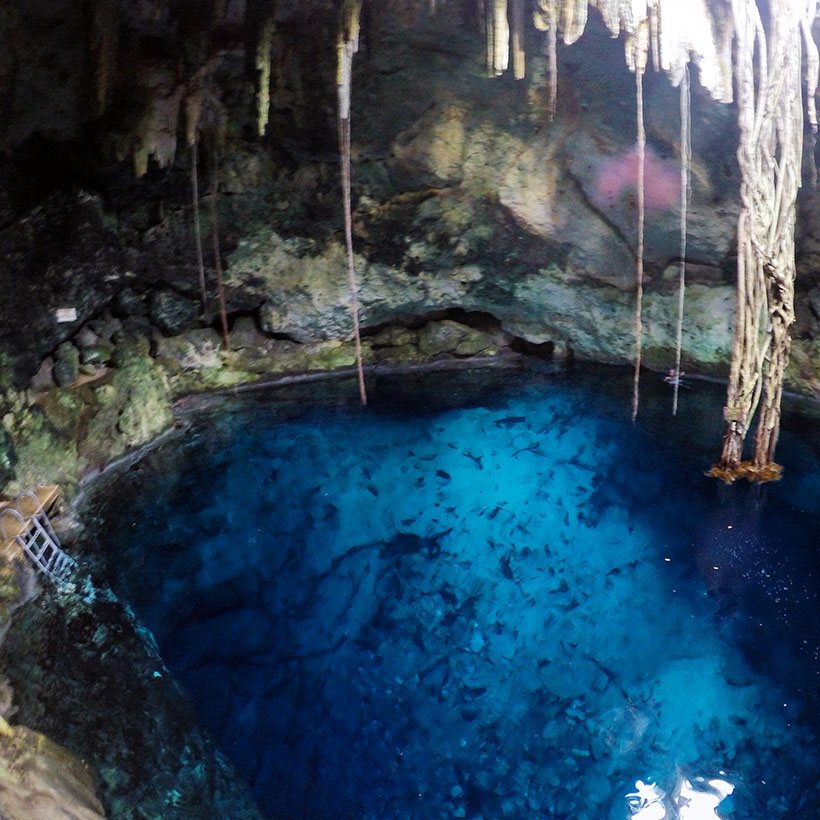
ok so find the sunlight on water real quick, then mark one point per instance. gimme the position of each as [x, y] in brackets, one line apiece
[519, 607]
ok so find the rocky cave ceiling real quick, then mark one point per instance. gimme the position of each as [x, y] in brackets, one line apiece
[94, 189]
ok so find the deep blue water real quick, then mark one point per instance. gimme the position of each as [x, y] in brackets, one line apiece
[485, 595]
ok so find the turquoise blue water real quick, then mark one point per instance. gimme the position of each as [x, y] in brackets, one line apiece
[483, 596]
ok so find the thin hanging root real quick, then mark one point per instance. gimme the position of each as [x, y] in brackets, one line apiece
[685, 175]
[347, 46]
[552, 48]
[636, 382]
[220, 285]
[517, 39]
[203, 290]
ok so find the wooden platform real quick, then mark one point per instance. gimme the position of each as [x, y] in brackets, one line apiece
[10, 527]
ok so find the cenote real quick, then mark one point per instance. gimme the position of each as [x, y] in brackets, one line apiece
[488, 594]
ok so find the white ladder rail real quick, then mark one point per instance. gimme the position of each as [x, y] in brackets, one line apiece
[37, 539]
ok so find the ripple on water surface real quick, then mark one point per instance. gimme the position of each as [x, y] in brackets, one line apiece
[516, 607]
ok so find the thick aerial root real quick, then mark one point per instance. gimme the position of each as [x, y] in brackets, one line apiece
[748, 470]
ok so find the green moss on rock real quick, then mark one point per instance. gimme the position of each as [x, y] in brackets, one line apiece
[43, 456]
[64, 407]
[133, 406]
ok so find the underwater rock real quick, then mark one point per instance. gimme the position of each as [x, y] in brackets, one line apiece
[128, 718]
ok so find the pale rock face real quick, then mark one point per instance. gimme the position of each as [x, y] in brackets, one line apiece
[542, 197]
[305, 298]
[40, 779]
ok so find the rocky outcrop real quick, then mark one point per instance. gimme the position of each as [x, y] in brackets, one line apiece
[89, 677]
[39, 778]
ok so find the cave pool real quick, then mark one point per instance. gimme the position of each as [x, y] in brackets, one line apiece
[485, 595]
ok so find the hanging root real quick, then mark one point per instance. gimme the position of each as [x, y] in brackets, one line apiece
[685, 174]
[640, 66]
[200, 264]
[220, 283]
[347, 45]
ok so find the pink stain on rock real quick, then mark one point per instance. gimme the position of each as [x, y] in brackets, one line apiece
[620, 173]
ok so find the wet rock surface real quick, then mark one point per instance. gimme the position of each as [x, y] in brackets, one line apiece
[40, 779]
[87, 675]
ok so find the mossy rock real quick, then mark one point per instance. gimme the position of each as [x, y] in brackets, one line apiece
[198, 349]
[447, 336]
[64, 407]
[214, 379]
[8, 458]
[401, 354]
[146, 411]
[9, 588]
[133, 406]
[394, 336]
[130, 347]
[66, 371]
[43, 456]
[97, 354]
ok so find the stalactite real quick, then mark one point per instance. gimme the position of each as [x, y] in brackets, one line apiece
[654, 34]
[263, 47]
[685, 175]
[517, 38]
[501, 37]
[573, 19]
[220, 283]
[104, 45]
[545, 18]
[489, 37]
[347, 45]
[639, 47]
[553, 65]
